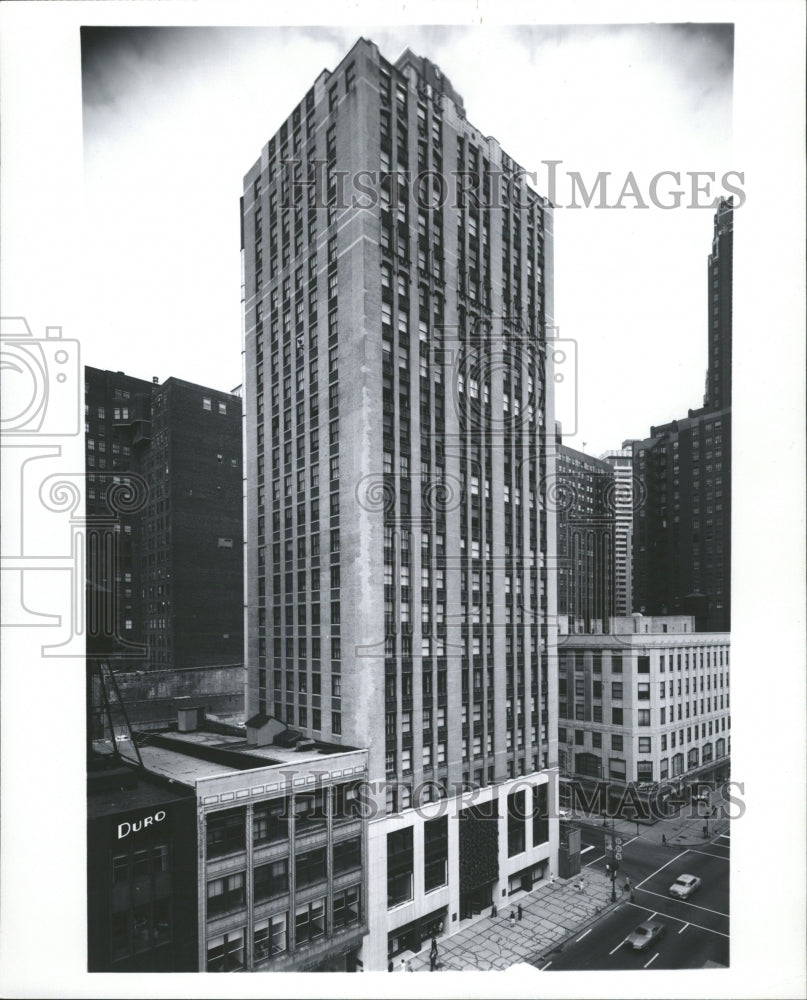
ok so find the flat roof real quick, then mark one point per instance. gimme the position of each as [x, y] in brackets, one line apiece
[179, 765]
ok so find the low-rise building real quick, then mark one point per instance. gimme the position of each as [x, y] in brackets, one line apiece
[277, 839]
[647, 703]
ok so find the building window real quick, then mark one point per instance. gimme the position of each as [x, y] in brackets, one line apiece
[596, 739]
[309, 921]
[616, 664]
[207, 404]
[309, 811]
[644, 716]
[272, 879]
[223, 408]
[644, 692]
[346, 855]
[644, 744]
[310, 867]
[226, 953]
[616, 716]
[616, 766]
[270, 822]
[616, 741]
[225, 894]
[644, 770]
[400, 866]
[225, 543]
[270, 937]
[435, 863]
[225, 832]
[516, 823]
[616, 690]
[346, 907]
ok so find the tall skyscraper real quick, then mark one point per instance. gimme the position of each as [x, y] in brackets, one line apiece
[682, 537]
[621, 461]
[397, 295]
[586, 531]
[721, 263]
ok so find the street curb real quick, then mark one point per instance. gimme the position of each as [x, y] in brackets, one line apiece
[561, 942]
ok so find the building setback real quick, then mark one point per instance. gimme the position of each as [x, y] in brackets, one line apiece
[586, 533]
[682, 530]
[397, 399]
[645, 704]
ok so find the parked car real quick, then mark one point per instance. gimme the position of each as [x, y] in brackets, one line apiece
[684, 886]
[645, 934]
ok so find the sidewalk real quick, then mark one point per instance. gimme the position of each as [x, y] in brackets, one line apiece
[550, 913]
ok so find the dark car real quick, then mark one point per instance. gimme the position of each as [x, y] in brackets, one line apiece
[645, 934]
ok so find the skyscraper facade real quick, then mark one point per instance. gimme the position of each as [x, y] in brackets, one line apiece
[397, 295]
[586, 532]
[621, 461]
[682, 536]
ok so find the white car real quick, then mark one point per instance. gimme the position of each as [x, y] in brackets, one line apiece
[684, 886]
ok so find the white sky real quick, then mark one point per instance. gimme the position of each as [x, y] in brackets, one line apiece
[174, 119]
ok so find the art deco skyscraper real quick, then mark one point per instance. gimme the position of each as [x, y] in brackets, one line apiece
[399, 440]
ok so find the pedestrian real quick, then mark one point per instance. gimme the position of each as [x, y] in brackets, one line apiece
[520, 912]
[631, 894]
[512, 917]
[664, 839]
[493, 911]
[433, 955]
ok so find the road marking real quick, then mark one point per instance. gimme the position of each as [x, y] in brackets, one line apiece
[661, 869]
[631, 840]
[618, 946]
[651, 960]
[583, 935]
[683, 928]
[695, 905]
[723, 836]
[678, 920]
[594, 862]
[545, 967]
[590, 847]
[708, 854]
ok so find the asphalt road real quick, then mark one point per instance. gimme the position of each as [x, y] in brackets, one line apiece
[696, 931]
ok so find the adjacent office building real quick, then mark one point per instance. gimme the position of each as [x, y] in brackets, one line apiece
[164, 542]
[397, 293]
[586, 533]
[647, 703]
[682, 531]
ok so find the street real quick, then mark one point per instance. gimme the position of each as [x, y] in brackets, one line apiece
[696, 930]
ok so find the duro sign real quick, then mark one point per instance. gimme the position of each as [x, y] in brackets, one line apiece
[135, 826]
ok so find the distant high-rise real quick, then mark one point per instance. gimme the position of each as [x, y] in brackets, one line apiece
[621, 461]
[398, 289]
[682, 528]
[586, 532]
[721, 262]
